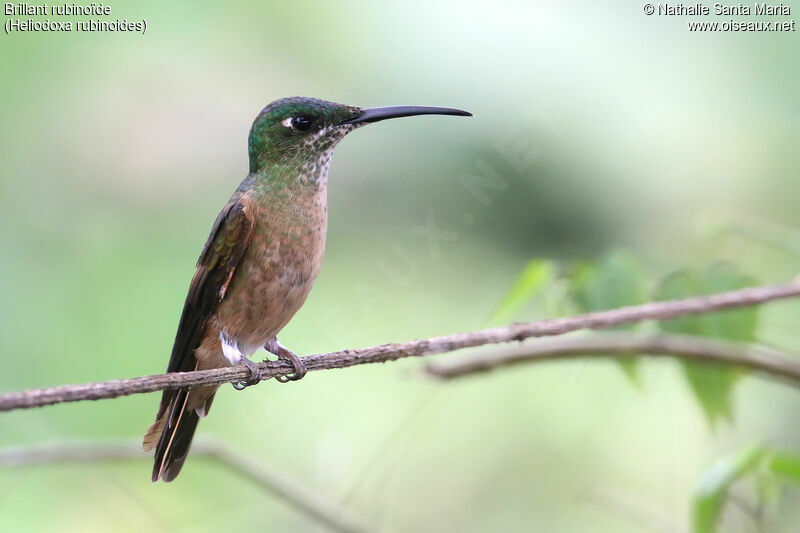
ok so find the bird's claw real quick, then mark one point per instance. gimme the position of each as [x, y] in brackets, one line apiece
[255, 375]
[284, 353]
[299, 372]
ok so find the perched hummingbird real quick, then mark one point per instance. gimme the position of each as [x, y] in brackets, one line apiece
[260, 260]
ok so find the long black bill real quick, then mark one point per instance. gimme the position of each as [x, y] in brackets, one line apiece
[376, 114]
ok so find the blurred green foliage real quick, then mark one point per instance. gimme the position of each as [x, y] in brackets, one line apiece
[712, 385]
[537, 275]
[618, 280]
[613, 281]
[774, 471]
[715, 483]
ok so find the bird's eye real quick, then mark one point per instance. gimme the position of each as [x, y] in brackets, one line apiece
[301, 123]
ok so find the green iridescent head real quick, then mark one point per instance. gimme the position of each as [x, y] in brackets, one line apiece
[301, 133]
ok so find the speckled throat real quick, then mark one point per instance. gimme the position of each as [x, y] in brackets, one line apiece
[306, 164]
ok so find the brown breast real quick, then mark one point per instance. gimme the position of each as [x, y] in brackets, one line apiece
[278, 269]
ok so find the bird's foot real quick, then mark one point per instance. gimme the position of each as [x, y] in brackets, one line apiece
[255, 375]
[282, 352]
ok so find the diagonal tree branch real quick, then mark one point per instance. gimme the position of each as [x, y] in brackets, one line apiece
[389, 352]
[278, 483]
[762, 359]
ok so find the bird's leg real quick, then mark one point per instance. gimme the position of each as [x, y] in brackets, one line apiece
[282, 352]
[255, 374]
[231, 351]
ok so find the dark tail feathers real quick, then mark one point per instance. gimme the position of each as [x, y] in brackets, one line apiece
[177, 426]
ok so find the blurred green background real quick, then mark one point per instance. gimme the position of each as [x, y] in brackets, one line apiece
[608, 130]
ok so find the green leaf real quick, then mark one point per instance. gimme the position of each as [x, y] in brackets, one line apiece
[537, 274]
[680, 285]
[712, 385]
[614, 281]
[736, 324]
[786, 466]
[714, 483]
[713, 388]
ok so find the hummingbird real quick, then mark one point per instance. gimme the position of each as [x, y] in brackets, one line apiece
[260, 260]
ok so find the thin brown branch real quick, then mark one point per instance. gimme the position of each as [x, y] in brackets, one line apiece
[761, 359]
[278, 483]
[389, 352]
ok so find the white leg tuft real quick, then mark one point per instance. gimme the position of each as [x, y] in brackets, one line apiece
[230, 349]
